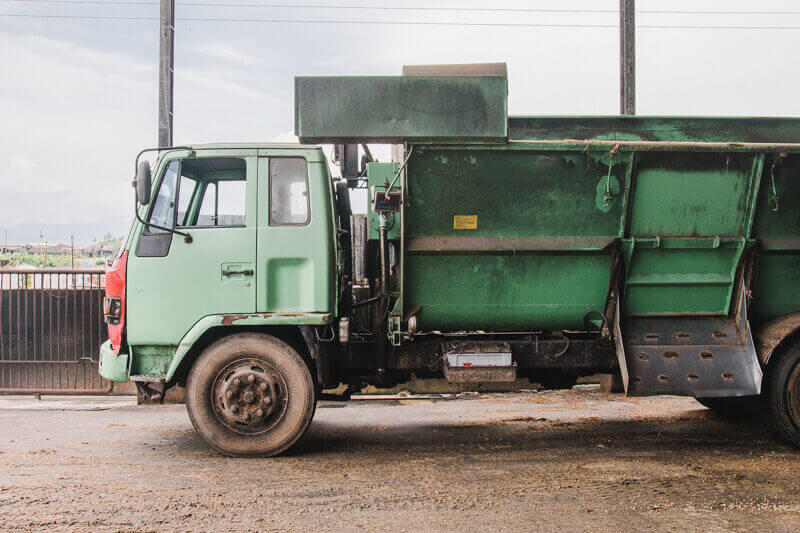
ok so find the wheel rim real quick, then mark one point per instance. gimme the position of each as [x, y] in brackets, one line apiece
[249, 396]
[793, 395]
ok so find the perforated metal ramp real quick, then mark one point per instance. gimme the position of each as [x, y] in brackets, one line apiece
[704, 357]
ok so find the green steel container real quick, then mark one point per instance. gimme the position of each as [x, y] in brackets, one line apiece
[522, 235]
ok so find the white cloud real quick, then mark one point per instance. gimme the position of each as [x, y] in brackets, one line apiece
[225, 52]
[72, 118]
[78, 99]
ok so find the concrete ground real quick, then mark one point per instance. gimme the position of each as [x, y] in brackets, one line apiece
[568, 460]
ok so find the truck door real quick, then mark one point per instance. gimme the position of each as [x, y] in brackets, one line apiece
[173, 283]
[295, 235]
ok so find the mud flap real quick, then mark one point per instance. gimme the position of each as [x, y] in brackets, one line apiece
[704, 357]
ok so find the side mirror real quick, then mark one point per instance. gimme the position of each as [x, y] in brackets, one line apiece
[143, 183]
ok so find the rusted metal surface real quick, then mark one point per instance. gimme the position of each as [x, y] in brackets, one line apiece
[228, 320]
[51, 328]
[399, 109]
[704, 357]
[657, 146]
[723, 130]
[437, 243]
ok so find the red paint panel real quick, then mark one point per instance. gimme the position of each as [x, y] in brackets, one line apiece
[115, 286]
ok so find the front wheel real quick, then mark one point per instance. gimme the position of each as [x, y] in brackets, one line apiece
[250, 395]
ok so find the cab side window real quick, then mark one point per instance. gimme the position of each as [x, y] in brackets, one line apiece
[223, 204]
[216, 195]
[288, 192]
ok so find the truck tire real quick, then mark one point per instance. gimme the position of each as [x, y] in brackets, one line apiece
[782, 393]
[250, 395]
[741, 407]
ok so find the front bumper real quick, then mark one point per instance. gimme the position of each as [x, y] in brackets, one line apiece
[113, 367]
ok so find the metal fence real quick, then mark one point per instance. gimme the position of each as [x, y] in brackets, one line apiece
[51, 328]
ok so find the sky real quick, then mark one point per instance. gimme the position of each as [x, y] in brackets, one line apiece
[78, 97]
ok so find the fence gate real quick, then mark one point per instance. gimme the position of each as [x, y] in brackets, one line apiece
[51, 328]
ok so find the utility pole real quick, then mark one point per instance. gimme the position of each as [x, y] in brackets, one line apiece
[627, 56]
[166, 69]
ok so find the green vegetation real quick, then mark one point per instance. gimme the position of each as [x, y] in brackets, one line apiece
[38, 260]
[94, 255]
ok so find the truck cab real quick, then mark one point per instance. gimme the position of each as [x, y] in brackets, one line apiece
[233, 236]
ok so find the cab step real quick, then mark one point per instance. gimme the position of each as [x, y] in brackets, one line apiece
[704, 357]
[478, 362]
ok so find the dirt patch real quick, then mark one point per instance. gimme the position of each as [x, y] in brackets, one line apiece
[571, 460]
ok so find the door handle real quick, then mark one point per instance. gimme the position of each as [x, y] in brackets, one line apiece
[245, 272]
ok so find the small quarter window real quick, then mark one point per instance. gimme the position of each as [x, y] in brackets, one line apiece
[163, 213]
[185, 195]
[288, 192]
[208, 208]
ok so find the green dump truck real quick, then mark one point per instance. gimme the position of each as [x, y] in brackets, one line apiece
[665, 250]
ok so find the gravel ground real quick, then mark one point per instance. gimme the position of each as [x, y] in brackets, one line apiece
[559, 460]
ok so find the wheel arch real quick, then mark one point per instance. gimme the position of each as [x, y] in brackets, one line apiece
[776, 334]
[301, 337]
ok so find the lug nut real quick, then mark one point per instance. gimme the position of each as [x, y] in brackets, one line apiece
[267, 400]
[263, 385]
[251, 378]
[228, 394]
[236, 382]
[259, 413]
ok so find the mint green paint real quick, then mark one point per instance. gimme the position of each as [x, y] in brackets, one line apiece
[296, 269]
[166, 295]
[233, 321]
[295, 274]
[151, 360]
[113, 367]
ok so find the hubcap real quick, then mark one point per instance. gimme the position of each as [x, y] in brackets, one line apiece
[249, 396]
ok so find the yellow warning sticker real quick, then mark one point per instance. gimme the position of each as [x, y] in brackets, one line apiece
[465, 222]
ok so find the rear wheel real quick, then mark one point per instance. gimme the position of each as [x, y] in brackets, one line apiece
[740, 407]
[782, 393]
[250, 395]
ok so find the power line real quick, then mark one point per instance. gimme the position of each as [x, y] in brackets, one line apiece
[314, 21]
[403, 8]
[395, 22]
